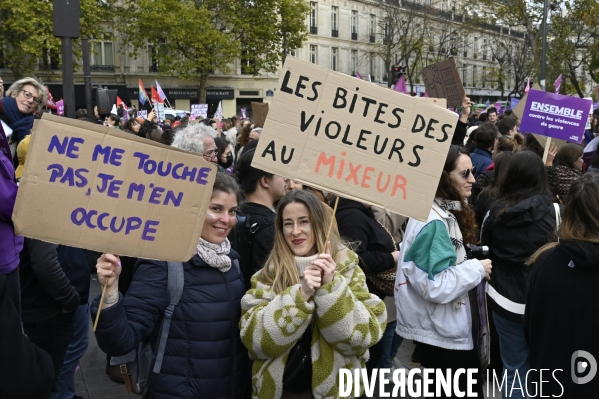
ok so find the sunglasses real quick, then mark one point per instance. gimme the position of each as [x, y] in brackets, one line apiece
[466, 173]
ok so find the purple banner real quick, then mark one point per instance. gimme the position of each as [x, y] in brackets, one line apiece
[499, 108]
[555, 115]
[60, 107]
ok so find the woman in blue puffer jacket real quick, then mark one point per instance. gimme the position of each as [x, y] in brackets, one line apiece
[204, 356]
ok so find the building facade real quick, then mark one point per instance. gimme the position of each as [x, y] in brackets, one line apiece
[345, 36]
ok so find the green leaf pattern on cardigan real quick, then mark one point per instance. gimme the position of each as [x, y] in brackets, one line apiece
[347, 321]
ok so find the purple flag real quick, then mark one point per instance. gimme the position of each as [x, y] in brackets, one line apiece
[426, 94]
[558, 83]
[527, 88]
[359, 76]
[60, 107]
[400, 85]
[417, 91]
[243, 113]
[555, 115]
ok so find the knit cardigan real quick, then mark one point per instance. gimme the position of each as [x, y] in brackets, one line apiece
[347, 321]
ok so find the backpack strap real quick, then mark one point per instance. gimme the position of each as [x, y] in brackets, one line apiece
[175, 288]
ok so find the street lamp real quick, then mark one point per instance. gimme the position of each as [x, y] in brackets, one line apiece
[544, 50]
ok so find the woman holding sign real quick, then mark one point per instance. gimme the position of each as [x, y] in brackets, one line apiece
[434, 275]
[204, 356]
[298, 344]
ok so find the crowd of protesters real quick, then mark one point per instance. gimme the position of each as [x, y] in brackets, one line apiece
[273, 307]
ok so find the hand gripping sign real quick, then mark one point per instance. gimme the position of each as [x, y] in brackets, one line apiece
[90, 186]
[355, 139]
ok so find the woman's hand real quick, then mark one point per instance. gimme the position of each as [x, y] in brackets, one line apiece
[466, 106]
[551, 155]
[108, 268]
[395, 256]
[326, 264]
[487, 266]
[311, 281]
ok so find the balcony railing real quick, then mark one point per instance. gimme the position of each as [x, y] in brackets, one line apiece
[102, 68]
[334, 33]
[354, 36]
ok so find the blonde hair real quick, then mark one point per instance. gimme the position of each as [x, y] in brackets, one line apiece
[280, 270]
[507, 143]
[16, 88]
[580, 219]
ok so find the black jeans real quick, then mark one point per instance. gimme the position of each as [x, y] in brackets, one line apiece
[53, 335]
[440, 358]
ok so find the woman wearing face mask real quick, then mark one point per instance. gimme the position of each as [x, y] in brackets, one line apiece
[204, 356]
[225, 154]
[290, 306]
[434, 275]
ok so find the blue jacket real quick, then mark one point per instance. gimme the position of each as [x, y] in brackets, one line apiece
[481, 159]
[204, 356]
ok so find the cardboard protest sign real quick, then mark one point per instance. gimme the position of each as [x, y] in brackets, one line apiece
[555, 115]
[160, 111]
[442, 80]
[518, 109]
[143, 114]
[260, 111]
[94, 187]
[355, 139]
[199, 110]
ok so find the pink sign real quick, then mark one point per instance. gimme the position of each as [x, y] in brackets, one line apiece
[60, 107]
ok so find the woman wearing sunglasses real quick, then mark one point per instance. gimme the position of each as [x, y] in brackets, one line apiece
[521, 220]
[434, 275]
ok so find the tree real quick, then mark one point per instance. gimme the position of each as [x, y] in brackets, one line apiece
[514, 63]
[26, 32]
[193, 39]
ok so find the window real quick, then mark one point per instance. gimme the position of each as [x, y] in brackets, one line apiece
[313, 54]
[334, 58]
[465, 76]
[354, 25]
[371, 29]
[334, 18]
[248, 62]
[371, 68]
[102, 54]
[474, 72]
[475, 47]
[313, 17]
[152, 59]
[485, 49]
[354, 61]
[484, 77]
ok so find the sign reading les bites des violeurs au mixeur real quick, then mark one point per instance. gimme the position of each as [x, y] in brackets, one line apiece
[355, 139]
[94, 187]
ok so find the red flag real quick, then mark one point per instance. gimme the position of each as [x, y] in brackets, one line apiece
[50, 103]
[156, 97]
[119, 102]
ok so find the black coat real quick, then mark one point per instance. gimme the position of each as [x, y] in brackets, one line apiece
[26, 371]
[204, 357]
[512, 238]
[374, 244]
[262, 219]
[562, 316]
[45, 288]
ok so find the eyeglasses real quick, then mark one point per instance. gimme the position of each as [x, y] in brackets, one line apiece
[29, 96]
[211, 153]
[466, 173]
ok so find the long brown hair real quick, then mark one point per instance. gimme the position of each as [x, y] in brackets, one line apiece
[446, 190]
[580, 219]
[279, 269]
[244, 136]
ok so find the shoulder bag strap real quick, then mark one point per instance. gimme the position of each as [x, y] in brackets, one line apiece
[558, 216]
[175, 289]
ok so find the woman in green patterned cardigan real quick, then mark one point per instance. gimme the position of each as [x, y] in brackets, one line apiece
[307, 287]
